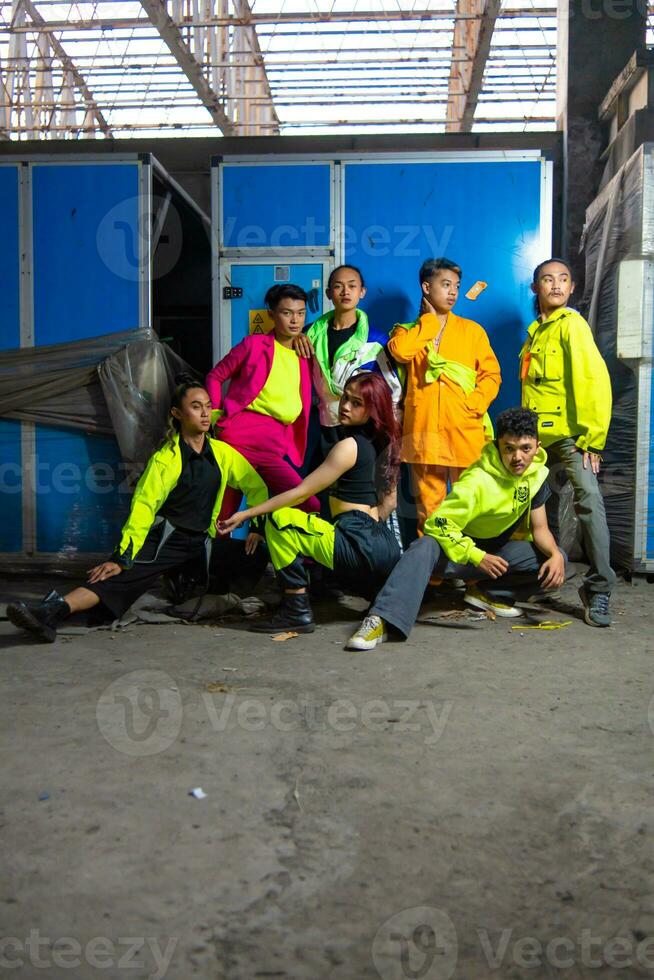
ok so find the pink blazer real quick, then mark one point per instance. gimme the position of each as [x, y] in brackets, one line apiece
[247, 367]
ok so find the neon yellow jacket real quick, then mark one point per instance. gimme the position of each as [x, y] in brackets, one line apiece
[161, 475]
[565, 380]
[485, 501]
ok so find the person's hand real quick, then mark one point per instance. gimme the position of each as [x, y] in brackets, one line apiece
[494, 566]
[303, 346]
[551, 573]
[231, 524]
[425, 306]
[252, 542]
[104, 571]
[594, 460]
[473, 411]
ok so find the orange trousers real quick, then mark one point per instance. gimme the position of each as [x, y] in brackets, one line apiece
[430, 487]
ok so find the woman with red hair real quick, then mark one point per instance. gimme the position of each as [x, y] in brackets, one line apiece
[361, 474]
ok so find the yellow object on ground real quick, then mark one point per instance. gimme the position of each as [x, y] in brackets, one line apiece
[547, 624]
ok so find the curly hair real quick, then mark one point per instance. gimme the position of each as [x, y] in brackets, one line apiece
[517, 422]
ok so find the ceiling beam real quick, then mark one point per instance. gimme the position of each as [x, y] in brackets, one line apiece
[171, 36]
[308, 17]
[474, 37]
[68, 65]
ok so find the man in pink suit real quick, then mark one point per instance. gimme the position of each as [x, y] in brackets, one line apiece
[265, 413]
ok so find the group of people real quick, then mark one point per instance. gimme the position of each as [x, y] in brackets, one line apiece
[421, 397]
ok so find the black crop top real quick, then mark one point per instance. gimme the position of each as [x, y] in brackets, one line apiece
[358, 486]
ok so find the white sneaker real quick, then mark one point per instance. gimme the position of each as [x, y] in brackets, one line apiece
[370, 633]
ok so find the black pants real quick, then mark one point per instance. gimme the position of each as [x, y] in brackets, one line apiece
[363, 555]
[119, 592]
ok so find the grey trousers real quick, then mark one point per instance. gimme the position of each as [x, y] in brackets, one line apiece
[399, 601]
[566, 462]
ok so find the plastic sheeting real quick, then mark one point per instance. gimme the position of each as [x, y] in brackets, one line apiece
[58, 384]
[118, 384]
[613, 232]
[138, 382]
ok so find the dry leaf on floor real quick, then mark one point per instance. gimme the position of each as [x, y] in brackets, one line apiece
[489, 614]
[284, 636]
[215, 687]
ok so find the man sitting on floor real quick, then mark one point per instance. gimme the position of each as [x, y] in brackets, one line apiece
[492, 526]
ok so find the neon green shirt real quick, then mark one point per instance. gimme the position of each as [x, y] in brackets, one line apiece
[280, 397]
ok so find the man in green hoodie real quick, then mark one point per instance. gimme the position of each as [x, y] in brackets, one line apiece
[491, 526]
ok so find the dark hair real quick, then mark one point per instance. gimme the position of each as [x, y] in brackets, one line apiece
[384, 428]
[345, 265]
[539, 267]
[537, 272]
[430, 267]
[517, 422]
[183, 383]
[283, 290]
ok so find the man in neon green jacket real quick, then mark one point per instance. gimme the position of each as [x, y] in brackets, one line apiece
[171, 521]
[565, 380]
[492, 525]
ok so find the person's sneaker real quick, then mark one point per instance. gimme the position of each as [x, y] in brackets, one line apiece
[474, 597]
[370, 633]
[596, 607]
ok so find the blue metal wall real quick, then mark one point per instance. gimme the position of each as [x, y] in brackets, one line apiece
[11, 487]
[9, 259]
[79, 504]
[83, 220]
[11, 483]
[483, 211]
[255, 280]
[86, 250]
[485, 216]
[283, 206]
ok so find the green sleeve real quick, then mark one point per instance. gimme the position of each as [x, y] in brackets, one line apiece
[591, 385]
[148, 497]
[241, 476]
[448, 523]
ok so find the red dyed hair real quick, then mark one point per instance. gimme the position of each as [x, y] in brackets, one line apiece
[383, 427]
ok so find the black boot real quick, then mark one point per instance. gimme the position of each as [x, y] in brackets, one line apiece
[41, 620]
[294, 615]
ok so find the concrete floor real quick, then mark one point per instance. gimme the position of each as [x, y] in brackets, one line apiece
[475, 803]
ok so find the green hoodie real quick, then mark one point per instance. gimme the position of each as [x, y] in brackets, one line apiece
[485, 502]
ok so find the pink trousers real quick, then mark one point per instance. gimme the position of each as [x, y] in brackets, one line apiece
[262, 440]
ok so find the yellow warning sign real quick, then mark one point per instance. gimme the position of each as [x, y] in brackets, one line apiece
[260, 321]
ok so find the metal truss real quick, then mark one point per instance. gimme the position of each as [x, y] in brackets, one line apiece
[111, 68]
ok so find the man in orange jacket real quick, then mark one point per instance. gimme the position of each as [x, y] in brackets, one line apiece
[452, 377]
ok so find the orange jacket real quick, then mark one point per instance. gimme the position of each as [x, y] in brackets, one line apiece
[443, 427]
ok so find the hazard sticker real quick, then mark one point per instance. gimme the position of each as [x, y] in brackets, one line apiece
[260, 321]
